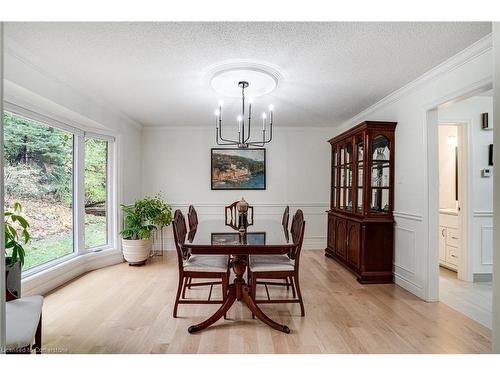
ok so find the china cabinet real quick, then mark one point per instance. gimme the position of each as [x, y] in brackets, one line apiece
[360, 220]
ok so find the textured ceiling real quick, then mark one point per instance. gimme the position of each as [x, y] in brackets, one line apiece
[152, 72]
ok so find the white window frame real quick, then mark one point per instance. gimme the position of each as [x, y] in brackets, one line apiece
[79, 136]
[110, 237]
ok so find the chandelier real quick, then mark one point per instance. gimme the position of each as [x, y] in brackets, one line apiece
[244, 131]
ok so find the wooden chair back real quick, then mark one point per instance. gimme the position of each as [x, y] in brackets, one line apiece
[286, 218]
[297, 231]
[192, 218]
[231, 215]
[180, 231]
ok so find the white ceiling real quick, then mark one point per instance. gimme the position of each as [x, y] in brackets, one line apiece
[153, 72]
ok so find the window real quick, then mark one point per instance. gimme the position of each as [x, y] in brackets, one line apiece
[96, 176]
[60, 176]
[39, 175]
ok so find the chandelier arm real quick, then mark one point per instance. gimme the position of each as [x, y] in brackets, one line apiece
[230, 142]
[256, 144]
[270, 132]
[249, 120]
[227, 142]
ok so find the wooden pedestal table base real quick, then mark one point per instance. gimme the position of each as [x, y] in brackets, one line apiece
[241, 292]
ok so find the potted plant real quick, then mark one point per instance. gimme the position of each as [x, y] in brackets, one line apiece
[16, 234]
[141, 219]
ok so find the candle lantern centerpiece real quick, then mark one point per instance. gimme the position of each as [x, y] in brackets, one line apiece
[242, 209]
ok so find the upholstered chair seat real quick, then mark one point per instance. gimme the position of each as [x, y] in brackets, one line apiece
[206, 263]
[269, 263]
[22, 319]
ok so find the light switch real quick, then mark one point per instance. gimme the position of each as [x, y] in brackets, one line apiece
[486, 172]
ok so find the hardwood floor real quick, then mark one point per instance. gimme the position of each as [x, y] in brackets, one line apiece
[122, 309]
[472, 299]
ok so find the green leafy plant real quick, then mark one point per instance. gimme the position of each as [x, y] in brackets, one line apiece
[16, 233]
[145, 216]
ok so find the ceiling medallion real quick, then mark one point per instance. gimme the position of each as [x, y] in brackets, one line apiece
[224, 77]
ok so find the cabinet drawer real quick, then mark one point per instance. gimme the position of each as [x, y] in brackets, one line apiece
[452, 237]
[452, 255]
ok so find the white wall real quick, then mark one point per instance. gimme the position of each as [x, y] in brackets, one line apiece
[470, 69]
[176, 161]
[481, 194]
[496, 255]
[447, 167]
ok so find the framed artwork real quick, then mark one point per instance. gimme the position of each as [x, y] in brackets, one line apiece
[238, 169]
[256, 238]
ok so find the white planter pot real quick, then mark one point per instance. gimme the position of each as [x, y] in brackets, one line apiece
[136, 252]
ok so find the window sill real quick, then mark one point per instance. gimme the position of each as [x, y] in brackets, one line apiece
[56, 275]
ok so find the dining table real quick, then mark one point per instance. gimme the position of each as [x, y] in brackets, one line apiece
[215, 237]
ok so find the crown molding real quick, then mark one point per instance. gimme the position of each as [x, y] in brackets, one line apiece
[475, 50]
[23, 56]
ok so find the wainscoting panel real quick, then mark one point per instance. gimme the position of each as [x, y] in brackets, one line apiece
[314, 214]
[409, 266]
[482, 242]
[486, 245]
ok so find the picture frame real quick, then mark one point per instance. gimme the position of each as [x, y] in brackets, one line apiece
[238, 169]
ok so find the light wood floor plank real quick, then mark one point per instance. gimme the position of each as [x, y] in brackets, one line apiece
[122, 309]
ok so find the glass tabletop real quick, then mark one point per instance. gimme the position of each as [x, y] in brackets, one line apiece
[264, 236]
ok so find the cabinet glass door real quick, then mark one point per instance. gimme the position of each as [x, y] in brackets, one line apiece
[360, 151]
[334, 177]
[349, 177]
[380, 175]
[342, 178]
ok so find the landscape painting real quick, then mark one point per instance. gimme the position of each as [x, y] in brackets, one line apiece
[238, 169]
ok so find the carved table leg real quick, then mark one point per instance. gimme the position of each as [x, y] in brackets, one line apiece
[230, 298]
[260, 314]
[241, 292]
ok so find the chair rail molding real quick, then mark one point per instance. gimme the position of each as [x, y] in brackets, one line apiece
[408, 215]
[483, 214]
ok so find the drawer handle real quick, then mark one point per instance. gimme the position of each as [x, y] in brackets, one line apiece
[453, 256]
[443, 232]
[455, 238]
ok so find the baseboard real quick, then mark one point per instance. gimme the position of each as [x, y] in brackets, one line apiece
[47, 280]
[410, 286]
[482, 277]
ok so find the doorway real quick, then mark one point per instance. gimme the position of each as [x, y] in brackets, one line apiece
[453, 199]
[464, 198]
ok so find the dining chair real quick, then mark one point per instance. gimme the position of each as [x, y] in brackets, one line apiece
[197, 267]
[192, 217]
[286, 217]
[23, 324]
[231, 215]
[272, 267]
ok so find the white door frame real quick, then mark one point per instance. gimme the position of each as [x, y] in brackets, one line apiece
[432, 193]
[464, 269]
